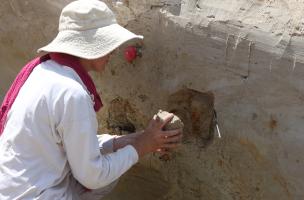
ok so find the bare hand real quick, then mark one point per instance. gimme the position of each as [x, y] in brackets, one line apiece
[154, 138]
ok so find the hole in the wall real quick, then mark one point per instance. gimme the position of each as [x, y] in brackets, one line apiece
[196, 110]
[121, 117]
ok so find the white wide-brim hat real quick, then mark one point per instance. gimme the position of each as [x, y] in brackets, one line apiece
[88, 29]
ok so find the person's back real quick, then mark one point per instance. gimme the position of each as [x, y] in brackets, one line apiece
[34, 162]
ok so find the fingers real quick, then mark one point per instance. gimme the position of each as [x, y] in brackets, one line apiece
[156, 122]
[171, 133]
[167, 144]
[159, 150]
[157, 118]
[174, 139]
[167, 120]
[162, 150]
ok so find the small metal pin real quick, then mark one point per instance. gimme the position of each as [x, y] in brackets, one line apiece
[218, 131]
[216, 124]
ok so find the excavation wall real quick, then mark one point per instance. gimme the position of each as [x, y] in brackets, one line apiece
[243, 58]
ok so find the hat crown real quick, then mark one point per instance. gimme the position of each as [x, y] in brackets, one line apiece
[84, 15]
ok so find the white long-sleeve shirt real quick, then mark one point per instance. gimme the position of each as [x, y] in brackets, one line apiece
[50, 134]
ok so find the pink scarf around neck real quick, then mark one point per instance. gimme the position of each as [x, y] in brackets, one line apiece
[62, 59]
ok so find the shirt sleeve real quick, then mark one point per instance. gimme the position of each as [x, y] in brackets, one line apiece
[78, 128]
[106, 143]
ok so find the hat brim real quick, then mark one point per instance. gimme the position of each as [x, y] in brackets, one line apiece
[90, 44]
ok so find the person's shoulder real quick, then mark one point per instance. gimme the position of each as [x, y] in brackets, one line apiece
[71, 90]
[71, 95]
[64, 76]
[63, 80]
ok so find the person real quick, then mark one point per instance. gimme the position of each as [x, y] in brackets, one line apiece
[49, 147]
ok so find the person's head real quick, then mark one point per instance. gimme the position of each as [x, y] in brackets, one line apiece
[97, 64]
[89, 31]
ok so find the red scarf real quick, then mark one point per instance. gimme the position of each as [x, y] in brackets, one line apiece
[62, 59]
